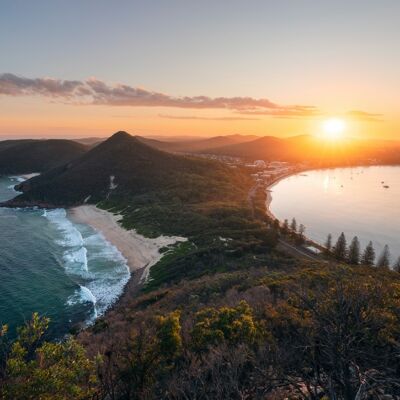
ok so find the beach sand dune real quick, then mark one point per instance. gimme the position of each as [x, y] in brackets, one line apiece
[140, 252]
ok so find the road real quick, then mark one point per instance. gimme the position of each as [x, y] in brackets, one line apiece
[296, 251]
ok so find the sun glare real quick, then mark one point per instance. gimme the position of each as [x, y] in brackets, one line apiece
[334, 128]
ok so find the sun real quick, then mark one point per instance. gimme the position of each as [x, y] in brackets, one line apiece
[334, 128]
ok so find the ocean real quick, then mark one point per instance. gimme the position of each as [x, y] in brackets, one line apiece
[51, 265]
[362, 201]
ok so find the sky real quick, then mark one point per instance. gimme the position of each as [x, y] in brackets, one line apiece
[170, 67]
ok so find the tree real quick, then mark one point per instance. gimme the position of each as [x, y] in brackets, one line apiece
[169, 334]
[230, 324]
[293, 225]
[368, 257]
[384, 258]
[340, 250]
[285, 226]
[328, 244]
[42, 370]
[354, 251]
[276, 225]
[300, 239]
[396, 265]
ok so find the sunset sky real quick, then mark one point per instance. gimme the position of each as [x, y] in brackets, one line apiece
[90, 68]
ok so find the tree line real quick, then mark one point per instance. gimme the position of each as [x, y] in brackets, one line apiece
[353, 255]
[341, 251]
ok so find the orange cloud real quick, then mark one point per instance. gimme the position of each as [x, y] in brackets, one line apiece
[97, 92]
[193, 117]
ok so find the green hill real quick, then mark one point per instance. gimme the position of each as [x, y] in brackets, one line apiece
[26, 156]
[123, 166]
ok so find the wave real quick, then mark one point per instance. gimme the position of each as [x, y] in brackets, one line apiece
[71, 235]
[83, 296]
[103, 248]
[18, 178]
[75, 254]
[109, 270]
[76, 260]
[101, 270]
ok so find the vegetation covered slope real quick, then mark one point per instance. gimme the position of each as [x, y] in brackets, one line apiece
[225, 315]
[26, 156]
[308, 332]
[123, 166]
[161, 193]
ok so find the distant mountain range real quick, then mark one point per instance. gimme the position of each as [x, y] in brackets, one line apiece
[304, 148]
[121, 166]
[25, 156]
[313, 150]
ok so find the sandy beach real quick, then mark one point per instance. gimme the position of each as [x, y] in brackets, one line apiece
[140, 252]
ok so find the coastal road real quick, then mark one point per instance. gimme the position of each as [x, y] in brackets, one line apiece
[288, 248]
[297, 251]
[250, 197]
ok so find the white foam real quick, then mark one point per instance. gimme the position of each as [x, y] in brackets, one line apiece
[100, 269]
[84, 295]
[76, 260]
[75, 254]
[87, 295]
[106, 286]
[71, 236]
[18, 178]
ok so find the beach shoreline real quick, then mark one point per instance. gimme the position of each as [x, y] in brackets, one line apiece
[141, 253]
[270, 185]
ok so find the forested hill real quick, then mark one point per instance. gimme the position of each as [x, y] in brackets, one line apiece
[123, 166]
[26, 156]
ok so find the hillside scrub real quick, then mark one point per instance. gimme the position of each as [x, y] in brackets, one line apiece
[306, 333]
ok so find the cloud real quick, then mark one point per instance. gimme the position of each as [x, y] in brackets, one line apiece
[13, 85]
[286, 112]
[193, 117]
[97, 92]
[365, 116]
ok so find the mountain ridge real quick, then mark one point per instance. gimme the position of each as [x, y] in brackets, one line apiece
[118, 167]
[34, 155]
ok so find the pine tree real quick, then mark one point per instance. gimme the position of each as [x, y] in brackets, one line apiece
[368, 257]
[285, 226]
[384, 258]
[328, 244]
[293, 225]
[300, 239]
[396, 265]
[276, 225]
[340, 250]
[354, 251]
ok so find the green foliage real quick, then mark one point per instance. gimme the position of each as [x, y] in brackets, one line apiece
[384, 258]
[41, 370]
[340, 250]
[368, 257]
[328, 244]
[169, 334]
[234, 325]
[354, 252]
